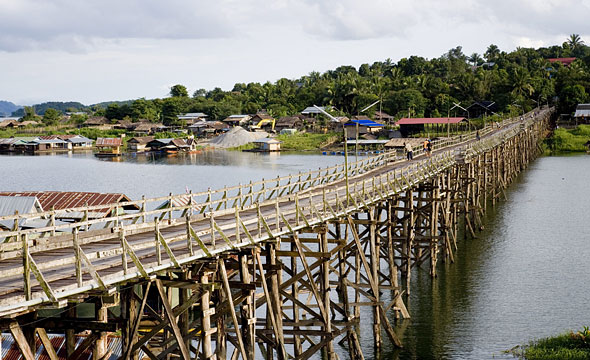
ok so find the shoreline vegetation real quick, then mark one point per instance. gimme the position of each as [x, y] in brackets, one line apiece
[570, 345]
[568, 140]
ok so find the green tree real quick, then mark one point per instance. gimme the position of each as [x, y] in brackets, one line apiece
[51, 116]
[178, 91]
[29, 113]
[574, 41]
[492, 53]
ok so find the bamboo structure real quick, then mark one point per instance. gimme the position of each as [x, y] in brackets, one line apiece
[281, 268]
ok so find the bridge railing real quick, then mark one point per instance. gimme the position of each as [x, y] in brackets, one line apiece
[215, 231]
[241, 196]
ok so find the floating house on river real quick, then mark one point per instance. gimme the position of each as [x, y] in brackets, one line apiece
[267, 145]
[109, 147]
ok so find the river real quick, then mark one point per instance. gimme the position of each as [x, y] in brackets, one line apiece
[524, 277]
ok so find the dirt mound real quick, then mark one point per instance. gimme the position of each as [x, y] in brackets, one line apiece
[237, 136]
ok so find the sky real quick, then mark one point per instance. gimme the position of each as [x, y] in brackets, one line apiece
[93, 51]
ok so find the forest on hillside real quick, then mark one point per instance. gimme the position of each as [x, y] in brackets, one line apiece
[414, 86]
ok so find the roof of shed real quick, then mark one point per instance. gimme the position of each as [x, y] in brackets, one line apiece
[71, 199]
[363, 122]
[109, 141]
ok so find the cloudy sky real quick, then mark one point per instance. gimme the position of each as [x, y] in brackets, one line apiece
[92, 51]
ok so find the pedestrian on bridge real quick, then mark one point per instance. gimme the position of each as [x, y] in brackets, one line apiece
[409, 151]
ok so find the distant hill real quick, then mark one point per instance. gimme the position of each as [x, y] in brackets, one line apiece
[61, 106]
[105, 104]
[7, 108]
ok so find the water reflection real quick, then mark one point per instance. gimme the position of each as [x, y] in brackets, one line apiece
[152, 174]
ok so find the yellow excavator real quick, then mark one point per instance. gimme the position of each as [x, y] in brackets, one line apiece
[263, 123]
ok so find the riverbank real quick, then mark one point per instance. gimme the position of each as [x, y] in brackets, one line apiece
[568, 140]
[569, 345]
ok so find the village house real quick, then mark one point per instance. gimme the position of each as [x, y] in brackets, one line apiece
[289, 122]
[109, 146]
[10, 123]
[78, 142]
[168, 145]
[15, 144]
[582, 115]
[208, 128]
[383, 117]
[48, 143]
[237, 120]
[98, 122]
[362, 126]
[267, 145]
[567, 61]
[147, 128]
[139, 143]
[191, 118]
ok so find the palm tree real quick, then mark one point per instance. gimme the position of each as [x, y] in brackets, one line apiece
[574, 41]
[521, 83]
[475, 58]
[492, 52]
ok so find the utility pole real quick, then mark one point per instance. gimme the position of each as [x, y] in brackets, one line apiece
[345, 151]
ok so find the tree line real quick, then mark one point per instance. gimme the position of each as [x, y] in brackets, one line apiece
[414, 86]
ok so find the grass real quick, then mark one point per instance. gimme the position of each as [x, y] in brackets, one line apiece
[572, 140]
[573, 346]
[305, 141]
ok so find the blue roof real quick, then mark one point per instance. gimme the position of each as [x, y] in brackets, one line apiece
[364, 122]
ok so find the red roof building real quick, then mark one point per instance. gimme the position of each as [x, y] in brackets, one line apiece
[564, 61]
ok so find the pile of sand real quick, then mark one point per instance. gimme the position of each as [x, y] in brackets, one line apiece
[237, 136]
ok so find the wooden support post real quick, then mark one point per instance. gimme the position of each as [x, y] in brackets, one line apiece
[100, 315]
[206, 332]
[325, 288]
[183, 319]
[297, 344]
[247, 313]
[26, 266]
[374, 255]
[70, 333]
[21, 341]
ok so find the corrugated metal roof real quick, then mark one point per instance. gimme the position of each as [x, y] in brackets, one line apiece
[78, 140]
[70, 199]
[10, 349]
[419, 121]
[582, 113]
[267, 141]
[24, 205]
[109, 141]
[363, 122]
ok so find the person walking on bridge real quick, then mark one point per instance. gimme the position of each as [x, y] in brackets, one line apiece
[409, 151]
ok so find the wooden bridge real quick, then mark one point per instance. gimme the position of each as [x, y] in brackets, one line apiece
[277, 268]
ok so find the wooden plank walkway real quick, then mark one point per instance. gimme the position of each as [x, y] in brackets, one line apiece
[44, 267]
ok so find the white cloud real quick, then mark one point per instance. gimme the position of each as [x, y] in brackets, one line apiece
[67, 24]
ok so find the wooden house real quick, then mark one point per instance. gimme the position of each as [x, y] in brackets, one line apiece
[267, 145]
[78, 142]
[237, 120]
[109, 146]
[98, 122]
[289, 122]
[139, 143]
[362, 126]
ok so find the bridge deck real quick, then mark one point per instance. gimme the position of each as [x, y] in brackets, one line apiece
[44, 266]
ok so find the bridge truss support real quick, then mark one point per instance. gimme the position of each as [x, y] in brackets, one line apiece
[295, 295]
